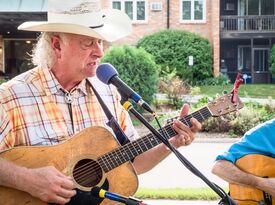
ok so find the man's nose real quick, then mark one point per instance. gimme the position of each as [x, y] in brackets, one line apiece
[97, 50]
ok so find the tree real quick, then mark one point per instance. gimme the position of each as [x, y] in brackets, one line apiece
[172, 48]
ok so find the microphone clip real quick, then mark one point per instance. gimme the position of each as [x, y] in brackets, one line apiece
[101, 193]
[133, 201]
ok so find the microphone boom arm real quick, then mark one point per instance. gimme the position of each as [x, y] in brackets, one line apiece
[225, 198]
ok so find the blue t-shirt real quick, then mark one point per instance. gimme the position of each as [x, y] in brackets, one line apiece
[258, 140]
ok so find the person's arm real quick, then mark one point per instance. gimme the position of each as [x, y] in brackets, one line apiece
[232, 174]
[185, 136]
[46, 183]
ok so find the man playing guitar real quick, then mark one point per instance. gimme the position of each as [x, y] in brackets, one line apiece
[51, 103]
[248, 166]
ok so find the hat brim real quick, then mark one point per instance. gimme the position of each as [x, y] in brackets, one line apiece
[116, 25]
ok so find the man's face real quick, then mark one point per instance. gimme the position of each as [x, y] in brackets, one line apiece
[80, 55]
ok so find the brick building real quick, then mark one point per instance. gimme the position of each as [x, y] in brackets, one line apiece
[164, 14]
[241, 32]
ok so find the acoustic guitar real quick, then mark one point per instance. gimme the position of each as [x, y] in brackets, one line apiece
[259, 165]
[93, 156]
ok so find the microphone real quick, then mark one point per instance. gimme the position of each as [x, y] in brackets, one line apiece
[101, 193]
[109, 75]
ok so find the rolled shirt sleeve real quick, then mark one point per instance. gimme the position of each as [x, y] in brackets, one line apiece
[258, 140]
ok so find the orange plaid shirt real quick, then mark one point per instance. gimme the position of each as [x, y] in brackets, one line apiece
[33, 110]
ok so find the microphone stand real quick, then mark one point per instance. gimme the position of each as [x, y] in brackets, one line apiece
[226, 199]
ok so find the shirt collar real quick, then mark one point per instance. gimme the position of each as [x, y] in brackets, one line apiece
[52, 86]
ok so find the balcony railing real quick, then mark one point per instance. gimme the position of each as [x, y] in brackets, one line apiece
[248, 23]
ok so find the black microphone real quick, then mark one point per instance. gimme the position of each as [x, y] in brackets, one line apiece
[109, 75]
[101, 193]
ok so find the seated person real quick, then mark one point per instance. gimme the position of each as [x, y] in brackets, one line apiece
[261, 141]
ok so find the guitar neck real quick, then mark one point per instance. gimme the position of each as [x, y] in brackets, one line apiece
[132, 149]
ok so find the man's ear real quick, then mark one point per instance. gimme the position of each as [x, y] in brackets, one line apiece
[56, 46]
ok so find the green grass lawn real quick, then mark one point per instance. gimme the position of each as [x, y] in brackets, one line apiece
[178, 193]
[245, 90]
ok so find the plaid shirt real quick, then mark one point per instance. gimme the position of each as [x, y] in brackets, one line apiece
[33, 110]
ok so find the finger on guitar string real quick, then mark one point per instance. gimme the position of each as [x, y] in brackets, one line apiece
[183, 130]
[196, 125]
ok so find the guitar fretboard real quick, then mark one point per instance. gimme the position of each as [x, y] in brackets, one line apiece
[132, 149]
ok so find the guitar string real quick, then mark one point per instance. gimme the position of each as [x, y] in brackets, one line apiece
[89, 173]
[169, 129]
[82, 174]
[133, 146]
[86, 165]
[84, 180]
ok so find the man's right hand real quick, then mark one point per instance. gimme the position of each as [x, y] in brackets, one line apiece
[49, 185]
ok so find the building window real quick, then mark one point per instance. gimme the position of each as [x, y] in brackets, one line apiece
[136, 10]
[261, 60]
[192, 10]
[256, 7]
[244, 59]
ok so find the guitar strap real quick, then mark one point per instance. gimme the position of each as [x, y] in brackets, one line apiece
[120, 135]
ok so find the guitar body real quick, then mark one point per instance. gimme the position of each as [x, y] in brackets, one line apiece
[255, 164]
[88, 144]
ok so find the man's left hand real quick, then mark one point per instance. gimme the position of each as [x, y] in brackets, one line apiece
[185, 135]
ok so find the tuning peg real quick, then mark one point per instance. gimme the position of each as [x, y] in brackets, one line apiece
[209, 99]
[237, 110]
[222, 118]
[224, 92]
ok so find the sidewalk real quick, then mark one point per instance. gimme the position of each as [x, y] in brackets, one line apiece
[194, 99]
[170, 173]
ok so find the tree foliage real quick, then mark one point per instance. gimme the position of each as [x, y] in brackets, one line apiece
[137, 69]
[272, 61]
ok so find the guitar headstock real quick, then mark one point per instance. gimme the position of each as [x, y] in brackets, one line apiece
[224, 105]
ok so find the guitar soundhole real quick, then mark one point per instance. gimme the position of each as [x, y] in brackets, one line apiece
[87, 173]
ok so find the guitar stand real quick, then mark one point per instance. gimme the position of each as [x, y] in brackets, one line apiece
[225, 198]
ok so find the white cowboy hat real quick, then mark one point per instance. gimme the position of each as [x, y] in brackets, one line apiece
[83, 17]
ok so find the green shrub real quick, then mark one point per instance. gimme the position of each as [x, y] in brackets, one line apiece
[270, 107]
[222, 79]
[171, 49]
[195, 90]
[137, 69]
[272, 61]
[174, 88]
[237, 123]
